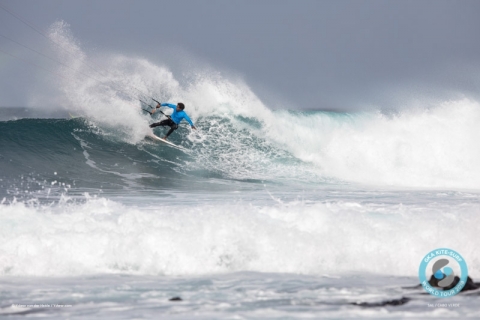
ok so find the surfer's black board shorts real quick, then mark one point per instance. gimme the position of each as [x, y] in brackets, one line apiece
[167, 122]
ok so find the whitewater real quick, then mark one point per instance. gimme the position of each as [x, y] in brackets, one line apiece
[267, 212]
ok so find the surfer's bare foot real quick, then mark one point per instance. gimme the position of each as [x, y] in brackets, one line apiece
[165, 138]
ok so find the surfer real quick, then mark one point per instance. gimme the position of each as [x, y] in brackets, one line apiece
[173, 119]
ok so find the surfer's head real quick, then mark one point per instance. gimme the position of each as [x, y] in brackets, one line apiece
[180, 106]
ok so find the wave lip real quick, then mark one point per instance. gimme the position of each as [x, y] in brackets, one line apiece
[435, 148]
[240, 138]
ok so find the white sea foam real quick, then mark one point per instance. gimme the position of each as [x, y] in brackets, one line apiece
[435, 147]
[104, 236]
[431, 147]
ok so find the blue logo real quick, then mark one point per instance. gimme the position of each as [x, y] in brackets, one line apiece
[443, 267]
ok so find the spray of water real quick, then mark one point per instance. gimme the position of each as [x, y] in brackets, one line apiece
[435, 147]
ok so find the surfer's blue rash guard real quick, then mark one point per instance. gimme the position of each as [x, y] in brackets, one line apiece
[177, 116]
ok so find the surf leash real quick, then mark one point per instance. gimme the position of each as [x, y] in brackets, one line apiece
[166, 115]
[147, 105]
[157, 101]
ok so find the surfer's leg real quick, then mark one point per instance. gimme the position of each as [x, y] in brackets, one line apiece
[173, 127]
[162, 123]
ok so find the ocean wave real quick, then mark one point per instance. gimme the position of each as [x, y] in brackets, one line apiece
[98, 235]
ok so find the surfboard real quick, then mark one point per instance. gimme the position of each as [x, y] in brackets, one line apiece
[154, 137]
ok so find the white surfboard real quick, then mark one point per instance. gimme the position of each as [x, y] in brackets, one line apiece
[154, 137]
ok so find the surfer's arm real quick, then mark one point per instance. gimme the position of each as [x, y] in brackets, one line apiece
[167, 105]
[189, 121]
[164, 105]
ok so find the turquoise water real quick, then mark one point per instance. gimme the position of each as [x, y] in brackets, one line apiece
[266, 213]
[239, 225]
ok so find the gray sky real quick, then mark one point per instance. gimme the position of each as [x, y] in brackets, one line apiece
[313, 54]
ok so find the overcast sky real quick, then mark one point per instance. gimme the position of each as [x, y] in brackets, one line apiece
[313, 54]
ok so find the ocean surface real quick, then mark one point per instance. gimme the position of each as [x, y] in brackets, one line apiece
[266, 212]
[315, 214]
